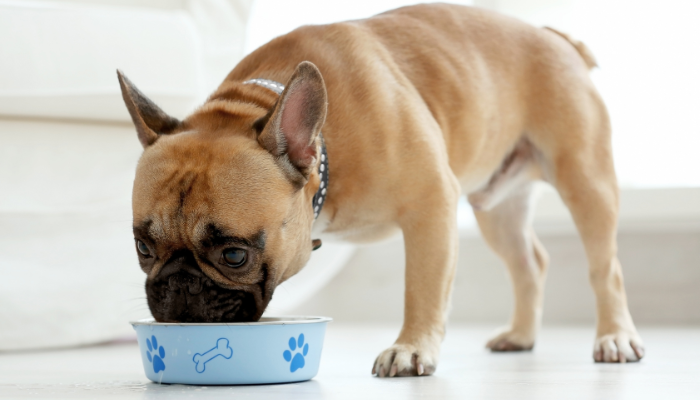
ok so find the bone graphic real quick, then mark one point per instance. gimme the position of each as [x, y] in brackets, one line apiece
[221, 349]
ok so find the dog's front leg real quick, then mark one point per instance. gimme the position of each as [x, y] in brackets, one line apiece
[430, 237]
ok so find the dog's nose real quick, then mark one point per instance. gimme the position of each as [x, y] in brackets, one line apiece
[180, 261]
[191, 283]
[181, 272]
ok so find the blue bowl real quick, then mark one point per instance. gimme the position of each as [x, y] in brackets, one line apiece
[272, 350]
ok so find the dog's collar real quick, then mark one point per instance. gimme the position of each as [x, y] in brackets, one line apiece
[320, 196]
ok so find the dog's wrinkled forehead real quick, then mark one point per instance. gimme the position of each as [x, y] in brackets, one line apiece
[184, 182]
[205, 235]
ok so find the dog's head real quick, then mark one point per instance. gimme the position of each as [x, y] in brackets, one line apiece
[222, 200]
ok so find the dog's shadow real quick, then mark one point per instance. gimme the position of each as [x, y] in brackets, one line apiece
[156, 390]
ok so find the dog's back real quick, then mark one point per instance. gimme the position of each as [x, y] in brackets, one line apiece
[485, 78]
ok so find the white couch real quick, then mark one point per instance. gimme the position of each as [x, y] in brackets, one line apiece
[68, 151]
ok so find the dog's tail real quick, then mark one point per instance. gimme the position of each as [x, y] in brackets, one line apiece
[582, 49]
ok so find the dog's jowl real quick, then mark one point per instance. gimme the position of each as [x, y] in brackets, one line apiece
[364, 128]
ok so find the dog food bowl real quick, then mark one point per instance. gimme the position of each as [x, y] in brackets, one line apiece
[272, 350]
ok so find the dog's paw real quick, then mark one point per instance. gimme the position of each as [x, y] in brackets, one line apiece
[618, 347]
[404, 360]
[508, 339]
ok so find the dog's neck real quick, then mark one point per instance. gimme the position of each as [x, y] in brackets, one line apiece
[320, 196]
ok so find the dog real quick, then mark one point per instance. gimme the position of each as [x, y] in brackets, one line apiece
[384, 123]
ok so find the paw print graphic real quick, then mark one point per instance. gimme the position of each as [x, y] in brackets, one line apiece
[157, 358]
[297, 361]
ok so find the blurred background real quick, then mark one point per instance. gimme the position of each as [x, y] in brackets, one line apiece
[68, 270]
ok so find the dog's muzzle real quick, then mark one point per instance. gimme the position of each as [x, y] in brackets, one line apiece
[183, 293]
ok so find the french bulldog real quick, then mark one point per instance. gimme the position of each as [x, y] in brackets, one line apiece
[409, 110]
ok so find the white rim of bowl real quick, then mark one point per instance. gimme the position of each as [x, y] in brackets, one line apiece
[288, 320]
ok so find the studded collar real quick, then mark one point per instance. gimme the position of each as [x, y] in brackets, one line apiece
[320, 196]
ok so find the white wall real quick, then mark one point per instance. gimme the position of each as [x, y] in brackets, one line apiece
[647, 76]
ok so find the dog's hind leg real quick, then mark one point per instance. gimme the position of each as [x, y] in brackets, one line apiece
[574, 140]
[585, 179]
[507, 228]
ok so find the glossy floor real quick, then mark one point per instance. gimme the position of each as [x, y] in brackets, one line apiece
[559, 368]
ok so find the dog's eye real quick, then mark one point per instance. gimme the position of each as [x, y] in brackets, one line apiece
[142, 248]
[234, 257]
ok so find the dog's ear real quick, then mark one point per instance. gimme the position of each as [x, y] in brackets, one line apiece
[149, 119]
[290, 131]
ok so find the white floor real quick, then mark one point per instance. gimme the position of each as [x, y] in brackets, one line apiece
[559, 368]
